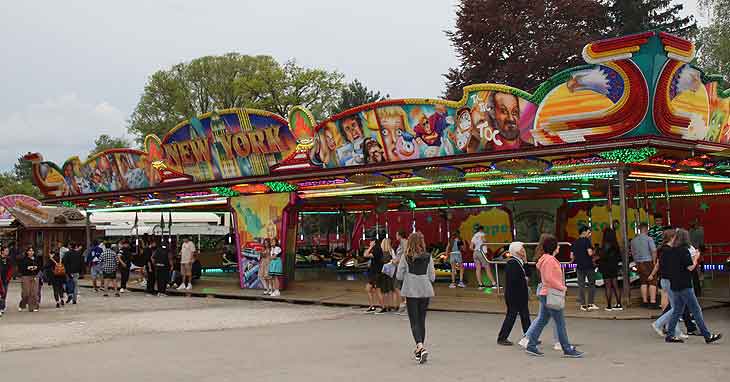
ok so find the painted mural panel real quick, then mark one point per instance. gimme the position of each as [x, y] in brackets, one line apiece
[488, 121]
[231, 144]
[257, 217]
[587, 93]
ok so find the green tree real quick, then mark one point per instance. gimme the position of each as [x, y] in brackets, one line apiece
[10, 185]
[356, 94]
[231, 80]
[714, 39]
[106, 142]
[635, 16]
[520, 43]
[23, 170]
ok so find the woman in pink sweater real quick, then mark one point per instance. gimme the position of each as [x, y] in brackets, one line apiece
[552, 278]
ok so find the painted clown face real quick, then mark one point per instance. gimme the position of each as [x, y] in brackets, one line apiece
[405, 147]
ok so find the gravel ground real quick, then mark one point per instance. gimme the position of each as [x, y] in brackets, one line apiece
[96, 318]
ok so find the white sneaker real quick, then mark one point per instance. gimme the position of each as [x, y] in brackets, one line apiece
[122, 290]
[683, 336]
[276, 293]
[557, 347]
[189, 287]
[524, 342]
[658, 330]
[593, 307]
[266, 293]
[181, 287]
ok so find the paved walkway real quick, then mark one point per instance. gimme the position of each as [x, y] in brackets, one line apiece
[352, 293]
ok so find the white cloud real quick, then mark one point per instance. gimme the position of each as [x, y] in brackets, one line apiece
[58, 128]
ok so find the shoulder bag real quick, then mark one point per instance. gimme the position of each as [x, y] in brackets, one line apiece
[555, 299]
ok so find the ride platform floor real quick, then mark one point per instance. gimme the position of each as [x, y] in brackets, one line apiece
[352, 293]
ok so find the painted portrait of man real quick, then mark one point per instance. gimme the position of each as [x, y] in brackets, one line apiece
[503, 113]
[351, 151]
[373, 151]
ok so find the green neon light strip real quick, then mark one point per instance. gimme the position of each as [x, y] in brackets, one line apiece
[689, 178]
[480, 183]
[161, 206]
[671, 196]
[458, 207]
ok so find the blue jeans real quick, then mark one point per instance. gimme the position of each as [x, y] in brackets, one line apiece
[686, 298]
[72, 286]
[4, 293]
[543, 317]
[667, 316]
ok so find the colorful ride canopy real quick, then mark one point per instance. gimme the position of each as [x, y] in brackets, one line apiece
[606, 99]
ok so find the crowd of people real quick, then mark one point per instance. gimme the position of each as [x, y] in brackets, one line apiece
[108, 264]
[407, 272]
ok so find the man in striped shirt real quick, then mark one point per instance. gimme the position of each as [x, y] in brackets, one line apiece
[656, 232]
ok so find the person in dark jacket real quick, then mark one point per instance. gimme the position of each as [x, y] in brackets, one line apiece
[515, 293]
[6, 272]
[163, 263]
[679, 263]
[28, 268]
[149, 268]
[125, 263]
[74, 263]
[608, 265]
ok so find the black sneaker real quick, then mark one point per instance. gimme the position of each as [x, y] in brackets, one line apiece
[371, 310]
[423, 358]
[382, 311]
[674, 340]
[695, 333]
[618, 307]
[534, 352]
[58, 305]
[68, 301]
[105, 294]
[713, 338]
[504, 342]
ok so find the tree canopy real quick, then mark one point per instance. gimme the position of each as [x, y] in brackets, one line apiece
[522, 43]
[635, 16]
[231, 80]
[714, 39]
[19, 181]
[106, 142]
[355, 94]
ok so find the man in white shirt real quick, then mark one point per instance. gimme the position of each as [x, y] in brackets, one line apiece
[186, 264]
[480, 258]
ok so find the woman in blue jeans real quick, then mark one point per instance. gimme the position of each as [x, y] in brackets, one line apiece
[552, 278]
[680, 264]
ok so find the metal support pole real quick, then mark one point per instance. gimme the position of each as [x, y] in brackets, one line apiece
[646, 202]
[88, 230]
[669, 206]
[624, 234]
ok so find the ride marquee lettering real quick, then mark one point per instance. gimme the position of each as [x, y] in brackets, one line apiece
[241, 144]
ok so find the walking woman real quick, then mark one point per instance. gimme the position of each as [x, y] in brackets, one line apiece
[417, 273]
[276, 268]
[6, 273]
[552, 283]
[662, 273]
[391, 297]
[264, 261]
[28, 267]
[454, 249]
[608, 266]
[680, 264]
[56, 274]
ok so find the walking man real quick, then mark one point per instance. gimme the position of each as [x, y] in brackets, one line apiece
[187, 253]
[643, 250]
[515, 293]
[583, 258]
[125, 263]
[73, 262]
[94, 261]
[109, 265]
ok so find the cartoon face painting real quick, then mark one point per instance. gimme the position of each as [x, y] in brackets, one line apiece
[405, 146]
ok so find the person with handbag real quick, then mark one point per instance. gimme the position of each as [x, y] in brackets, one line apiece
[552, 302]
[386, 282]
[515, 293]
[276, 268]
[57, 277]
[417, 272]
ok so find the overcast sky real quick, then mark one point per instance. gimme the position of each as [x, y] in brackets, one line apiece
[73, 69]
